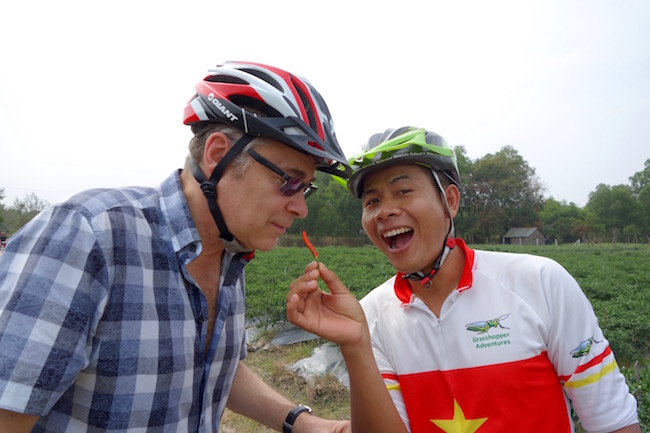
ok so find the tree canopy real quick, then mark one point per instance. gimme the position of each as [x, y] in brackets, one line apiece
[20, 212]
[499, 191]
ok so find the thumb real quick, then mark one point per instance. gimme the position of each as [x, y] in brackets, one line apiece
[332, 280]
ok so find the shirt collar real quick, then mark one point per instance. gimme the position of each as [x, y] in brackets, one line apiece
[403, 289]
[176, 210]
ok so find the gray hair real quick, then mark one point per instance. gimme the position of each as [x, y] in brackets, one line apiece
[201, 133]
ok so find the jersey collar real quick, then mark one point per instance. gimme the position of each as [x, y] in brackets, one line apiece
[403, 289]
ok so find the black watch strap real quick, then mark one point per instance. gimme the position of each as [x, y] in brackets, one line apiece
[287, 425]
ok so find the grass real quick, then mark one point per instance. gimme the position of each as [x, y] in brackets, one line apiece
[326, 396]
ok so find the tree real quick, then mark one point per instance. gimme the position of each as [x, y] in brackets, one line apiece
[20, 212]
[640, 179]
[333, 211]
[589, 230]
[559, 220]
[465, 164]
[640, 184]
[465, 220]
[501, 191]
[615, 208]
[644, 210]
[28, 207]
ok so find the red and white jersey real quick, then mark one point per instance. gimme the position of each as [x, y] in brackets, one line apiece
[516, 345]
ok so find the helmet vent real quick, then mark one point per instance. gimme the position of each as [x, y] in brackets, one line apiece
[254, 106]
[264, 76]
[224, 79]
[308, 108]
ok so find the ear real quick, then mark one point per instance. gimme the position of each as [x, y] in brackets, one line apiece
[453, 199]
[216, 146]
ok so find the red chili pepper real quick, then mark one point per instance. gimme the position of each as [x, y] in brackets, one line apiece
[309, 245]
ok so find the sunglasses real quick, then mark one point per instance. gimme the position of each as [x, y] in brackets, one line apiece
[291, 185]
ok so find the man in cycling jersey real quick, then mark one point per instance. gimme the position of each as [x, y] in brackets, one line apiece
[460, 340]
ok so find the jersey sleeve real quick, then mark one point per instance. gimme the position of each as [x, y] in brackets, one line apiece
[390, 379]
[52, 285]
[582, 357]
[372, 304]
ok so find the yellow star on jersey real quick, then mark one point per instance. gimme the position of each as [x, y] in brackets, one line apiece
[459, 424]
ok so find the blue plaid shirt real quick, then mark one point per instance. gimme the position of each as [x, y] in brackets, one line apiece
[102, 328]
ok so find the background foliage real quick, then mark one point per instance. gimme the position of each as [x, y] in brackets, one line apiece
[20, 212]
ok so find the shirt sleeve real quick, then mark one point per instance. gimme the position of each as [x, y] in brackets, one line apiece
[582, 357]
[390, 378]
[372, 304]
[53, 282]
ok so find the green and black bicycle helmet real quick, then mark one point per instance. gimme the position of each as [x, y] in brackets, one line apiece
[404, 145]
[410, 145]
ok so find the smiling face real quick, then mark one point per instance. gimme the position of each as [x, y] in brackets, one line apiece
[254, 208]
[404, 216]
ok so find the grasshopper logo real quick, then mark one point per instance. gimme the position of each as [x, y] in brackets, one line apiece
[484, 326]
[584, 347]
[226, 112]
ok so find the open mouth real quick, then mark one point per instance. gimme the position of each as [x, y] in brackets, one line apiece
[397, 238]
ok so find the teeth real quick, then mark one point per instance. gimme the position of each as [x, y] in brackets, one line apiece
[396, 232]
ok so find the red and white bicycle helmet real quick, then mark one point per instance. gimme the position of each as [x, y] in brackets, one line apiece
[294, 112]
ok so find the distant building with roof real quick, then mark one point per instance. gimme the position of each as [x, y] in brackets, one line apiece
[523, 236]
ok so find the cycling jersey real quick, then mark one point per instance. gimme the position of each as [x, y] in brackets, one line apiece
[516, 345]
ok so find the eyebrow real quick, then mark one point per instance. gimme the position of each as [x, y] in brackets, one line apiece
[399, 177]
[293, 172]
[393, 181]
[297, 173]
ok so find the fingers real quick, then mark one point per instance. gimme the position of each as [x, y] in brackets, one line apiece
[306, 283]
[294, 314]
[311, 266]
[332, 280]
[300, 290]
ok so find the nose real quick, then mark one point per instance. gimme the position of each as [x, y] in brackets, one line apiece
[386, 210]
[297, 205]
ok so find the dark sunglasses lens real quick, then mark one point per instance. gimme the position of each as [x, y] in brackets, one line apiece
[292, 186]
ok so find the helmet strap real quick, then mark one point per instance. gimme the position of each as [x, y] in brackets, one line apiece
[209, 188]
[447, 245]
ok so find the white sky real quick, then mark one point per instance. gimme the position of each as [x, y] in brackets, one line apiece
[92, 93]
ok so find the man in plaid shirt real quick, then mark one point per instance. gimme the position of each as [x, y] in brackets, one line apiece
[122, 310]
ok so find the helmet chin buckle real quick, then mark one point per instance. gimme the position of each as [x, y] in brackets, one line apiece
[425, 279]
[209, 190]
[421, 277]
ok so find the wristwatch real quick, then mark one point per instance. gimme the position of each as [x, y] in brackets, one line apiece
[287, 425]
